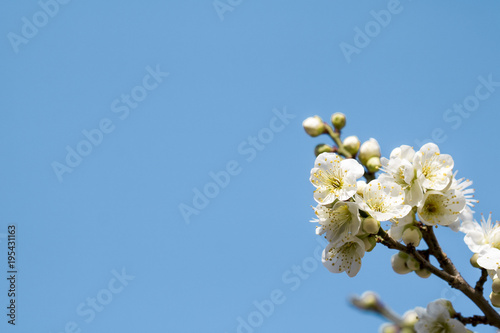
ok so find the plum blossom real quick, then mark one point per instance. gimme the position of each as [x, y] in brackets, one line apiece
[441, 208]
[344, 255]
[334, 178]
[383, 200]
[399, 168]
[434, 170]
[437, 318]
[338, 222]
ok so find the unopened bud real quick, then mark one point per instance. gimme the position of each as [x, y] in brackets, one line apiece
[399, 264]
[407, 330]
[351, 144]
[338, 120]
[423, 273]
[322, 148]
[412, 264]
[410, 318]
[495, 299]
[412, 235]
[389, 328]
[473, 260]
[369, 149]
[314, 126]
[370, 243]
[370, 225]
[368, 301]
[403, 255]
[495, 286]
[373, 164]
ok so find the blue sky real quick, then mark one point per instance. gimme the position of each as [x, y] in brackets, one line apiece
[158, 98]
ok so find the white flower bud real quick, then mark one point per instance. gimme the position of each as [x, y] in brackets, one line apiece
[351, 144]
[369, 149]
[473, 260]
[407, 330]
[495, 286]
[373, 164]
[410, 318]
[322, 148]
[314, 126]
[389, 328]
[370, 225]
[399, 264]
[495, 299]
[412, 235]
[369, 242]
[338, 120]
[423, 273]
[412, 264]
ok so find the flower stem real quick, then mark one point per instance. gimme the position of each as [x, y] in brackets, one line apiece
[336, 138]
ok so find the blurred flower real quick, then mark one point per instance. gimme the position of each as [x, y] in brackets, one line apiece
[437, 318]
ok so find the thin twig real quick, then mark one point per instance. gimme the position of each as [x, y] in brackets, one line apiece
[474, 320]
[482, 280]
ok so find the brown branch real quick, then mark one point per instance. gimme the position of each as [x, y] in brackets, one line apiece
[474, 320]
[454, 280]
[435, 249]
[482, 280]
[369, 176]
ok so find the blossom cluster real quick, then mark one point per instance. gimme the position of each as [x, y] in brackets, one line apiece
[412, 184]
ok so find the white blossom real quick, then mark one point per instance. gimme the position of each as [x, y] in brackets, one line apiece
[436, 318]
[334, 178]
[441, 208]
[344, 255]
[383, 200]
[434, 170]
[338, 222]
[481, 236]
[399, 168]
[484, 239]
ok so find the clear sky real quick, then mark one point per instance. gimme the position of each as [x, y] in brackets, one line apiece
[116, 115]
